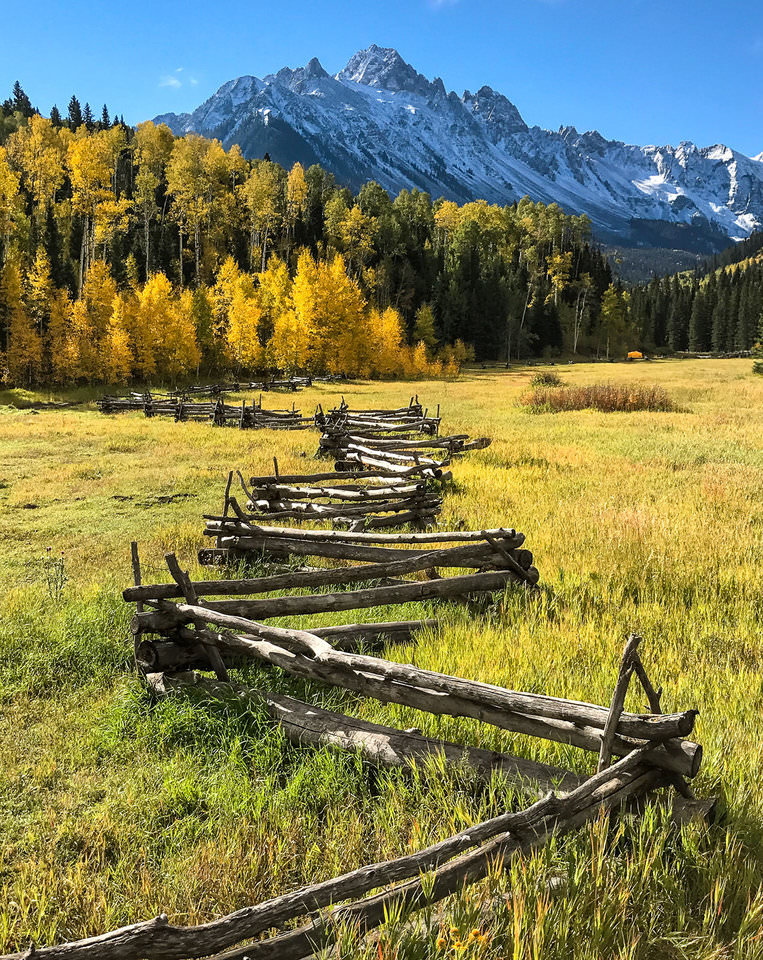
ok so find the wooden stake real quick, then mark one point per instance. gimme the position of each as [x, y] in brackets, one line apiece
[183, 580]
[618, 701]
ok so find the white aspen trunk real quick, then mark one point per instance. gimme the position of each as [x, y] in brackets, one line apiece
[264, 250]
[196, 242]
[82, 260]
[180, 253]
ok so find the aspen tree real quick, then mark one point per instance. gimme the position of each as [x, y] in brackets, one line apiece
[117, 353]
[24, 351]
[60, 348]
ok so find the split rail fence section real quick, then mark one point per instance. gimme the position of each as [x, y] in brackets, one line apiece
[184, 626]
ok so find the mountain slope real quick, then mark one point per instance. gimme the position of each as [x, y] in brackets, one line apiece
[379, 119]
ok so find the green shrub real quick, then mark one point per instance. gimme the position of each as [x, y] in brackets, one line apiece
[547, 379]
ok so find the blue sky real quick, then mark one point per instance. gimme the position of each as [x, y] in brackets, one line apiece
[637, 70]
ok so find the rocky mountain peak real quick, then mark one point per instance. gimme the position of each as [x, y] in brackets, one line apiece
[496, 111]
[383, 67]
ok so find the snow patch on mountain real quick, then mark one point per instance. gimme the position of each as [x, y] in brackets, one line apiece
[379, 119]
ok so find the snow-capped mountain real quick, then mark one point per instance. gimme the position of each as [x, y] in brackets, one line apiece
[379, 119]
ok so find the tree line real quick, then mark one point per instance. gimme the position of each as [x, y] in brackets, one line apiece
[134, 253]
[718, 310]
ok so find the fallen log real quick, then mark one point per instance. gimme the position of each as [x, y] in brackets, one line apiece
[305, 723]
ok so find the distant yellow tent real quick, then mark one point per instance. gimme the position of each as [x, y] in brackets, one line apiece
[635, 355]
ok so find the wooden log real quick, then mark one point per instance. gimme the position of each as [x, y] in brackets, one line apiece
[333, 475]
[463, 858]
[408, 562]
[439, 536]
[280, 547]
[295, 605]
[160, 655]
[263, 509]
[649, 727]
[305, 723]
[566, 721]
[677, 756]
[359, 494]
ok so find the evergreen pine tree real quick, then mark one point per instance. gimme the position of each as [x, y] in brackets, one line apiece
[75, 114]
[21, 102]
[55, 116]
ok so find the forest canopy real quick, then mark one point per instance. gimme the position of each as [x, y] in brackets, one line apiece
[132, 253]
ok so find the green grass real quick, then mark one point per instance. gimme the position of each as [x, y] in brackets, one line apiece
[113, 809]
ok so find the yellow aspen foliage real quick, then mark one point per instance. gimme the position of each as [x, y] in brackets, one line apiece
[296, 195]
[89, 159]
[24, 355]
[447, 217]
[151, 309]
[85, 350]
[144, 334]
[188, 183]
[98, 294]
[244, 345]
[229, 280]
[39, 290]
[262, 193]
[450, 369]
[420, 362]
[10, 203]
[179, 352]
[386, 339]
[274, 296]
[37, 150]
[356, 232]
[288, 347]
[117, 352]
[331, 308]
[295, 335]
[61, 354]
[558, 270]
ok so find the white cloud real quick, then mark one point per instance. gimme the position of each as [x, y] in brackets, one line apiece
[439, 4]
[170, 80]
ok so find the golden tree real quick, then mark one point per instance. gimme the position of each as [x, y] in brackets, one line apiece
[117, 353]
[262, 193]
[24, 346]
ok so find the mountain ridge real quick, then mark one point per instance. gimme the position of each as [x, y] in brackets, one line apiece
[379, 119]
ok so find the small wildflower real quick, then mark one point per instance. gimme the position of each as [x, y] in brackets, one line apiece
[441, 943]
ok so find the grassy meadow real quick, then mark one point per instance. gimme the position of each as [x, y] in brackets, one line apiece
[113, 809]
